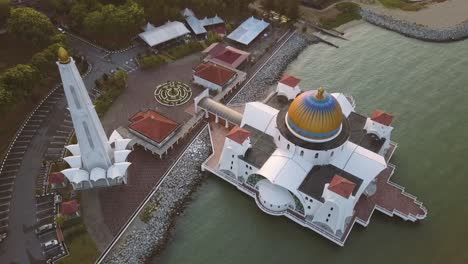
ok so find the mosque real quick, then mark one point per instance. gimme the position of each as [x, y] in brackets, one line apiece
[309, 156]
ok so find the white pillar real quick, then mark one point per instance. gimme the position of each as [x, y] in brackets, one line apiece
[216, 119]
[226, 123]
[206, 114]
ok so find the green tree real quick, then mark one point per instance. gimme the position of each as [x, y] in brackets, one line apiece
[113, 22]
[19, 80]
[4, 11]
[44, 61]
[77, 13]
[30, 25]
[5, 96]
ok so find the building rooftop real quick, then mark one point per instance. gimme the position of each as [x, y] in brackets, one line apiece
[262, 148]
[214, 73]
[214, 49]
[290, 80]
[238, 134]
[318, 176]
[248, 30]
[198, 25]
[341, 186]
[359, 135]
[157, 35]
[381, 117]
[152, 125]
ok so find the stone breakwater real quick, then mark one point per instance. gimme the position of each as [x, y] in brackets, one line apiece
[145, 239]
[260, 86]
[415, 30]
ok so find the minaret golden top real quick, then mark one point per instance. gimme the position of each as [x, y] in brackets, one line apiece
[319, 94]
[63, 56]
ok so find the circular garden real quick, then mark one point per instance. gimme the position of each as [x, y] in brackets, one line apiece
[173, 93]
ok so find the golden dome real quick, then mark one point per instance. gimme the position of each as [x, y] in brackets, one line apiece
[63, 55]
[315, 115]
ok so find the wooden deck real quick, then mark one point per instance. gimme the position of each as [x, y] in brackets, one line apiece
[390, 199]
[218, 134]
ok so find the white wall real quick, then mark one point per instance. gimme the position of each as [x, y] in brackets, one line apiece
[382, 131]
[288, 91]
[207, 84]
[324, 156]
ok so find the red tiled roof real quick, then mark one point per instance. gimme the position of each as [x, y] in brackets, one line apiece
[381, 117]
[69, 208]
[153, 125]
[238, 134]
[341, 186]
[214, 73]
[56, 178]
[215, 49]
[228, 56]
[290, 80]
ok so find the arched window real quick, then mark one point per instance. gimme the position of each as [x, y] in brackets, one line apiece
[331, 155]
[302, 153]
[316, 155]
[288, 146]
[279, 138]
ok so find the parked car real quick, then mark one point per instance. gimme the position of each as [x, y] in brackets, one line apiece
[44, 228]
[50, 244]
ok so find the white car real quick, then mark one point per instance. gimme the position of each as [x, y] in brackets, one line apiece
[44, 228]
[50, 244]
[61, 30]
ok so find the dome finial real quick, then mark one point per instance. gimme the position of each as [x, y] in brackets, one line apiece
[63, 56]
[319, 94]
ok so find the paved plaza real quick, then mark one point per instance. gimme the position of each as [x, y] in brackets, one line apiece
[139, 95]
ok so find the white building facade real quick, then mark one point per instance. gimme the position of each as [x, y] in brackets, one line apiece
[306, 161]
[96, 161]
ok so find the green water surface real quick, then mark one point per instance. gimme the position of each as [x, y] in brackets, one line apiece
[425, 86]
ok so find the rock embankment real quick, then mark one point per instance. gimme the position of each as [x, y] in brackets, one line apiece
[415, 30]
[142, 240]
[260, 86]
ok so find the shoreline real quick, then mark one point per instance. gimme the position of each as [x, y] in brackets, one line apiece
[416, 31]
[146, 241]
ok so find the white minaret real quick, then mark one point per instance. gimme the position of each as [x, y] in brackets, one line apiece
[94, 163]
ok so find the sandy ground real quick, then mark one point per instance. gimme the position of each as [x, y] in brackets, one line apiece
[438, 15]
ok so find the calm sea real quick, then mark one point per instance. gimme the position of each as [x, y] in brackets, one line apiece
[425, 86]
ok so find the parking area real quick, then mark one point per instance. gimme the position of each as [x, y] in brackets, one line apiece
[46, 229]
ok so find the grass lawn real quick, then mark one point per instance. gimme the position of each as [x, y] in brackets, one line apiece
[82, 250]
[13, 51]
[402, 4]
[348, 12]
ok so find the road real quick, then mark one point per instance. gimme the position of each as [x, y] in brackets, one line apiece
[43, 137]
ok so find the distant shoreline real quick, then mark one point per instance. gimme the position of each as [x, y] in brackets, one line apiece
[414, 30]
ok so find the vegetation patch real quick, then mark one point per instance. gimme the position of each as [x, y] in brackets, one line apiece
[148, 211]
[110, 87]
[81, 246]
[184, 50]
[402, 4]
[152, 61]
[32, 41]
[348, 13]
